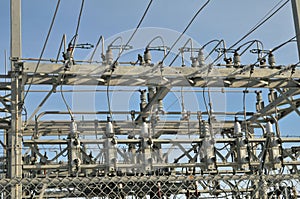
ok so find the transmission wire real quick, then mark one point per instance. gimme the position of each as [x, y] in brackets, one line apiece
[43, 50]
[64, 74]
[186, 28]
[262, 21]
[134, 32]
[189, 24]
[64, 99]
[259, 24]
[77, 27]
[112, 67]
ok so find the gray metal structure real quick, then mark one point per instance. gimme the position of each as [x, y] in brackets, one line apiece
[142, 156]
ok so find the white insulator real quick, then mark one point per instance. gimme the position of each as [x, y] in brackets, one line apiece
[160, 106]
[67, 55]
[143, 95]
[184, 115]
[109, 128]
[109, 56]
[147, 56]
[272, 95]
[208, 153]
[209, 149]
[271, 59]
[236, 59]
[237, 128]
[195, 62]
[144, 130]
[206, 130]
[269, 127]
[73, 127]
[258, 96]
[201, 58]
[151, 92]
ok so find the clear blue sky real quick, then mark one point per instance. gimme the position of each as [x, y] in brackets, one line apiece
[228, 20]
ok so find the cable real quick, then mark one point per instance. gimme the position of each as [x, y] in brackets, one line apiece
[250, 44]
[189, 24]
[134, 32]
[112, 67]
[186, 28]
[63, 97]
[64, 74]
[261, 22]
[189, 40]
[77, 28]
[43, 49]
[284, 43]
[244, 103]
[182, 101]
[205, 103]
[209, 100]
[107, 94]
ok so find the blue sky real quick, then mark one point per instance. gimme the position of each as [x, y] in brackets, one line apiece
[228, 20]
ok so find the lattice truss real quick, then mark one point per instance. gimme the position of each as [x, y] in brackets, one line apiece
[150, 151]
[195, 155]
[154, 152]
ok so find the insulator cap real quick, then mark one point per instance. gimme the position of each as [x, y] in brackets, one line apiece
[201, 58]
[269, 127]
[236, 59]
[147, 56]
[144, 129]
[271, 59]
[237, 128]
[109, 56]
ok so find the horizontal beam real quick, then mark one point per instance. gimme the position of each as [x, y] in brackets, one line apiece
[160, 141]
[175, 76]
[55, 128]
[162, 165]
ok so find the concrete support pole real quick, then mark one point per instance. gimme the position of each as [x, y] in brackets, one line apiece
[14, 137]
[296, 15]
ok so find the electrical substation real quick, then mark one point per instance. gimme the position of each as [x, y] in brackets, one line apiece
[150, 150]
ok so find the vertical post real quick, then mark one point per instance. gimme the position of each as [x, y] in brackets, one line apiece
[15, 29]
[14, 156]
[296, 15]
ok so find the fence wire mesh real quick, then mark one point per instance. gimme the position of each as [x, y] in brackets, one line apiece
[156, 187]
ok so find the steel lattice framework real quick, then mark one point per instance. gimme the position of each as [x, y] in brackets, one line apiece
[191, 154]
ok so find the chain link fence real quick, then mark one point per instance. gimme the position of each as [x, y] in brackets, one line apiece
[156, 187]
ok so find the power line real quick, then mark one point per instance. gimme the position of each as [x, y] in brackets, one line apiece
[64, 99]
[256, 26]
[186, 28]
[74, 44]
[43, 49]
[77, 27]
[122, 50]
[134, 32]
[261, 22]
